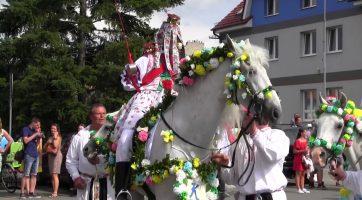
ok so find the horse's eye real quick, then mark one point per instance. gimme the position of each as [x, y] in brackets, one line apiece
[251, 72]
[339, 126]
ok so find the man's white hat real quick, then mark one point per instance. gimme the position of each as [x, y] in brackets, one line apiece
[309, 125]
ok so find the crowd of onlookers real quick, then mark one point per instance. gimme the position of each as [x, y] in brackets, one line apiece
[33, 148]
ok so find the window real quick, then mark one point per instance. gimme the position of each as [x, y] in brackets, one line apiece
[334, 38]
[309, 43]
[272, 46]
[333, 92]
[272, 7]
[308, 3]
[309, 104]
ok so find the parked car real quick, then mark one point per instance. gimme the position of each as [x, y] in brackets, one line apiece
[44, 177]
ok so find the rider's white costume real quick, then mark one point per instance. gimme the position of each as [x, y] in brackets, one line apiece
[160, 62]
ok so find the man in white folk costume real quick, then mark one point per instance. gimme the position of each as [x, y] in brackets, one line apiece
[90, 177]
[351, 180]
[269, 148]
[156, 70]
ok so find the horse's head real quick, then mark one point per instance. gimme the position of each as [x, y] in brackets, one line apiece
[96, 142]
[253, 64]
[333, 130]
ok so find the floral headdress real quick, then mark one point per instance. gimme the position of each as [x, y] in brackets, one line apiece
[149, 47]
[352, 118]
[173, 19]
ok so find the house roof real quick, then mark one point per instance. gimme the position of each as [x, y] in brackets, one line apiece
[233, 18]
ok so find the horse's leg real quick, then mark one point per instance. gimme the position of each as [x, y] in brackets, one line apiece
[123, 165]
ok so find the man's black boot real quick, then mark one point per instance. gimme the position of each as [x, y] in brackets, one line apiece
[122, 176]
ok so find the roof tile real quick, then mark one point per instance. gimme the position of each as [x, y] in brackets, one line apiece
[232, 18]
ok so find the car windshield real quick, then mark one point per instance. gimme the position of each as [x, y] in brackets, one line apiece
[291, 134]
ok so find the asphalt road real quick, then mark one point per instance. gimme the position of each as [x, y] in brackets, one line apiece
[332, 193]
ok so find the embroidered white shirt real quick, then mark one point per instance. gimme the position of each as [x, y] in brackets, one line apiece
[353, 182]
[76, 162]
[271, 147]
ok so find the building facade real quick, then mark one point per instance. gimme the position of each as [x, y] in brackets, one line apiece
[293, 32]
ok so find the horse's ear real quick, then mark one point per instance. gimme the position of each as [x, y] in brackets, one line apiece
[342, 100]
[321, 99]
[233, 47]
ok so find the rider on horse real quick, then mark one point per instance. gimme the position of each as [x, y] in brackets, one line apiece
[155, 72]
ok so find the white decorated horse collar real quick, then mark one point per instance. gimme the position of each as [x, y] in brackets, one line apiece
[353, 121]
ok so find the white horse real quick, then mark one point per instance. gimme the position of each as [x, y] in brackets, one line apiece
[331, 127]
[197, 112]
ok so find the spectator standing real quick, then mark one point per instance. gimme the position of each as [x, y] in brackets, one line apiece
[5, 134]
[31, 138]
[292, 121]
[298, 121]
[52, 146]
[300, 149]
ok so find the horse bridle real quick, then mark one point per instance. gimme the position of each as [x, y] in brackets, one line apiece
[257, 115]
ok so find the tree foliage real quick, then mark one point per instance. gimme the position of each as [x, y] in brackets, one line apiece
[62, 63]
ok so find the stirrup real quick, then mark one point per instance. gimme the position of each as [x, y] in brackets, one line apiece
[124, 191]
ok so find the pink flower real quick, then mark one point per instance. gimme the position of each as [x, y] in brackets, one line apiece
[356, 121]
[352, 117]
[114, 146]
[349, 143]
[346, 117]
[93, 137]
[114, 119]
[182, 61]
[188, 81]
[142, 136]
[148, 181]
[343, 140]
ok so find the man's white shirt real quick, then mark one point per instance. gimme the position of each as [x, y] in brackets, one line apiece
[271, 146]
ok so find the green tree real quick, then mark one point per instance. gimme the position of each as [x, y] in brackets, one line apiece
[62, 63]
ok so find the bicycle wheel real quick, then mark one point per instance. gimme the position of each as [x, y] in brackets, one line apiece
[8, 178]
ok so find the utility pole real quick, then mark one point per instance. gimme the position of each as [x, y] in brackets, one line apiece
[325, 50]
[11, 103]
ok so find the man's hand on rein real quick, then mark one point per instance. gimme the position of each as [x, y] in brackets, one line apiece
[220, 158]
[247, 119]
[338, 173]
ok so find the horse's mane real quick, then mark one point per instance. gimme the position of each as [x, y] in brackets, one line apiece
[259, 56]
[231, 116]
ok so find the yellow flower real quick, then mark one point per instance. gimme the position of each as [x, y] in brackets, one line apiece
[166, 174]
[244, 56]
[171, 138]
[351, 103]
[227, 82]
[344, 192]
[347, 136]
[230, 55]
[357, 113]
[268, 95]
[200, 70]
[221, 59]
[345, 148]
[349, 111]
[176, 169]
[196, 162]
[153, 118]
[134, 166]
[156, 179]
[209, 66]
[237, 72]
[324, 107]
[181, 163]
[229, 102]
[98, 142]
[109, 169]
[166, 136]
[197, 54]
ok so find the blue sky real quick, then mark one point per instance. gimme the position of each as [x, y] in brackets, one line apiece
[198, 17]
